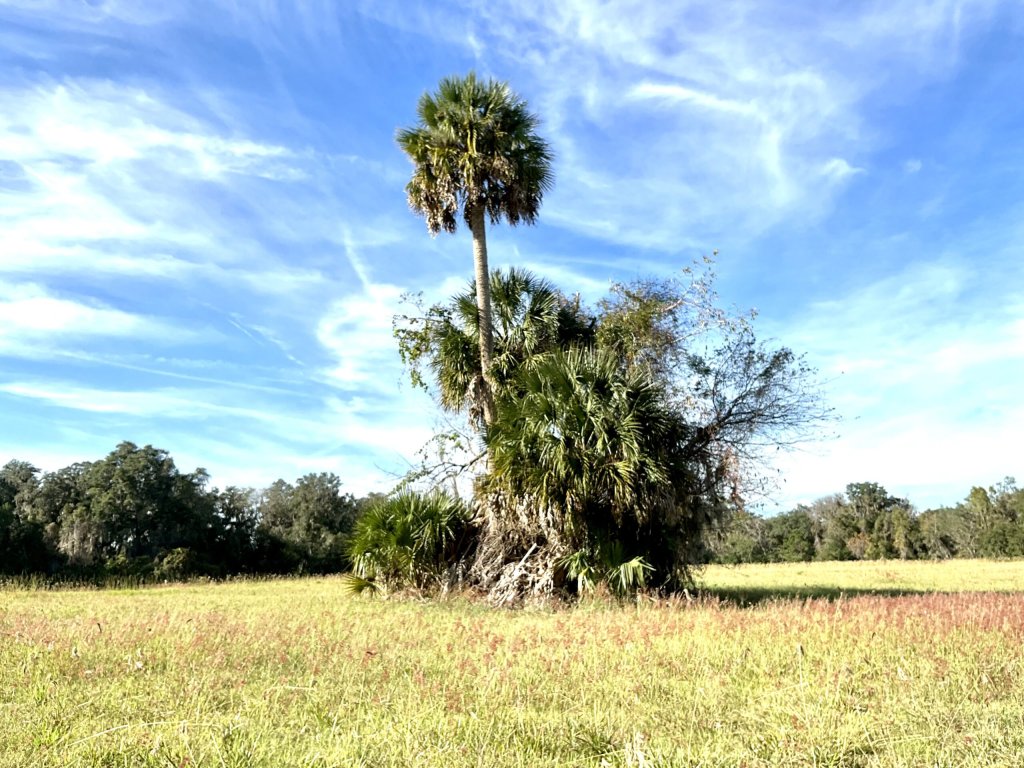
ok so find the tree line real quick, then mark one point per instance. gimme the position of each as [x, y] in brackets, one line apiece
[868, 523]
[135, 514]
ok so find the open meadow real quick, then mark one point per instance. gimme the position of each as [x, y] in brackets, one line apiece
[299, 673]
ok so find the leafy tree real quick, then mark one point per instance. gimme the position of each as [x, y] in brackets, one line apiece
[475, 150]
[19, 481]
[22, 543]
[308, 520]
[142, 506]
[133, 505]
[791, 537]
[832, 525]
[1008, 500]
[651, 323]
[61, 505]
[941, 532]
[741, 538]
[904, 531]
[884, 526]
[236, 513]
[994, 521]
[59, 494]
[1002, 539]
[744, 399]
[981, 517]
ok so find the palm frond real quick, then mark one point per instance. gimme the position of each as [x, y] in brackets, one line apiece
[410, 539]
[475, 143]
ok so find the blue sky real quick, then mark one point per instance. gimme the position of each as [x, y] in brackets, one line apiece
[204, 233]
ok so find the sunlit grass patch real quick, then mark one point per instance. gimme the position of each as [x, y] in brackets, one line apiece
[753, 582]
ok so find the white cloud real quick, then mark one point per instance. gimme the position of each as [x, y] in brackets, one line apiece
[115, 180]
[115, 184]
[357, 331]
[568, 280]
[680, 94]
[74, 12]
[932, 455]
[839, 169]
[29, 308]
[363, 442]
[34, 323]
[99, 123]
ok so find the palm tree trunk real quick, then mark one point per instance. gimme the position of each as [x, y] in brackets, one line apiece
[478, 227]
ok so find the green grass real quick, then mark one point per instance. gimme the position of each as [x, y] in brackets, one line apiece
[297, 673]
[751, 583]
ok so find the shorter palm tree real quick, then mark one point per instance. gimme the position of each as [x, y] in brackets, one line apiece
[596, 450]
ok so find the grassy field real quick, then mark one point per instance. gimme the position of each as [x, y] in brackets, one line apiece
[296, 673]
[750, 583]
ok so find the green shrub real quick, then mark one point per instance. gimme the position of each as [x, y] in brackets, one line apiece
[411, 539]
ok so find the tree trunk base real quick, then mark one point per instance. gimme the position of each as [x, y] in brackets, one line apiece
[513, 566]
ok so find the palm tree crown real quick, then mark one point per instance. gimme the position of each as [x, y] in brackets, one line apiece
[475, 147]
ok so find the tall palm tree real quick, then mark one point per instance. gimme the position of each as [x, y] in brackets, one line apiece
[476, 149]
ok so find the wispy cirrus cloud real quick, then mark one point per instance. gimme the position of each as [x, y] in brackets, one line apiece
[117, 181]
[35, 323]
[730, 119]
[349, 435]
[357, 332]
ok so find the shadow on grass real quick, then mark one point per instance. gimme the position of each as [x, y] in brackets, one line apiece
[747, 596]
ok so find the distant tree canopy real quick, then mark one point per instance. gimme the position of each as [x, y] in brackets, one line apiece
[868, 523]
[133, 513]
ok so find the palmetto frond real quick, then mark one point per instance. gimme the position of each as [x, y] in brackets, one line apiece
[409, 539]
[585, 436]
[531, 317]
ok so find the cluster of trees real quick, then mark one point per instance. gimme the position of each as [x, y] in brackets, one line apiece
[604, 441]
[868, 523]
[133, 513]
